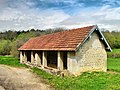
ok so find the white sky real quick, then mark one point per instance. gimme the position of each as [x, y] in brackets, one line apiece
[43, 14]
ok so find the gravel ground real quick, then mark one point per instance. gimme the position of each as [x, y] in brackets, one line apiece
[2, 88]
[12, 78]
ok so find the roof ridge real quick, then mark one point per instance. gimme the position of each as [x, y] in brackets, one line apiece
[65, 31]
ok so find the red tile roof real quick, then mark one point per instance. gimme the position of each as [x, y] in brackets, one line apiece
[65, 40]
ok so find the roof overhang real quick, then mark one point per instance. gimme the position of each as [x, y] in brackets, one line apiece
[95, 28]
[49, 49]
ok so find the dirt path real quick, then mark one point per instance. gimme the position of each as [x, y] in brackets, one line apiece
[20, 79]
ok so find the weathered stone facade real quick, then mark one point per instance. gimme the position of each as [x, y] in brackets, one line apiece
[91, 56]
[84, 54]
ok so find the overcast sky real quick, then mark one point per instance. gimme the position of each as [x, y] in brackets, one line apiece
[43, 14]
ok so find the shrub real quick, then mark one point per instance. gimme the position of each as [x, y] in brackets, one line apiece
[5, 47]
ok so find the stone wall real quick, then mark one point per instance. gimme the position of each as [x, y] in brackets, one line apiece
[92, 55]
[71, 62]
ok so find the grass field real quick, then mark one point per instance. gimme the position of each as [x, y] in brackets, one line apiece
[114, 60]
[87, 81]
[114, 54]
[115, 50]
[114, 64]
[11, 61]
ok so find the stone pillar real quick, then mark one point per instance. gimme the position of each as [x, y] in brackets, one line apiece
[60, 61]
[44, 62]
[32, 57]
[37, 59]
[21, 57]
[25, 57]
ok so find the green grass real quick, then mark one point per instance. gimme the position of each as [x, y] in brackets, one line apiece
[11, 61]
[87, 81]
[114, 64]
[115, 50]
[114, 54]
[114, 60]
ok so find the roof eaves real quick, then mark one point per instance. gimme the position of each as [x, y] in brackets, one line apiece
[104, 40]
[70, 49]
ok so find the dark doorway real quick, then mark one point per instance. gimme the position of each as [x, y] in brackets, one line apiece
[40, 55]
[64, 60]
[28, 54]
[52, 59]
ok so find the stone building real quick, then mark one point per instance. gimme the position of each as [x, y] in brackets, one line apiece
[77, 50]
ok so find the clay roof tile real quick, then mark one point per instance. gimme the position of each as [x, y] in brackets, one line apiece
[65, 40]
